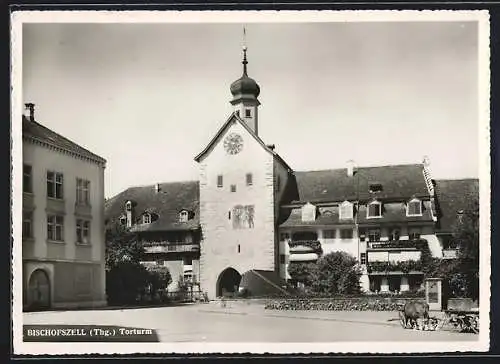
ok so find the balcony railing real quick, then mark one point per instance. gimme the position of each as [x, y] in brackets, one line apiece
[315, 245]
[169, 247]
[396, 244]
[388, 266]
[450, 253]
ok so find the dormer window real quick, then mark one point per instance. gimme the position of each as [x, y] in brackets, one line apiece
[374, 210]
[414, 208]
[375, 187]
[346, 210]
[128, 206]
[146, 219]
[248, 113]
[308, 212]
[123, 220]
[183, 216]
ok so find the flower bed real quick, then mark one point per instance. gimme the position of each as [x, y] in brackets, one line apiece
[339, 304]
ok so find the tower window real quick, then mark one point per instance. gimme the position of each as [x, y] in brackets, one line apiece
[249, 179]
[248, 113]
[219, 181]
[146, 219]
[183, 216]
[233, 188]
[239, 248]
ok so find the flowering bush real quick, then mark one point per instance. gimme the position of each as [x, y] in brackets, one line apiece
[338, 304]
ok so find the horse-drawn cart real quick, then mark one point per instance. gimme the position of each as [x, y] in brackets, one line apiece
[460, 313]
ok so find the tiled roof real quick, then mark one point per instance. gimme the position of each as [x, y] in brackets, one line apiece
[392, 213]
[172, 198]
[40, 133]
[398, 182]
[453, 196]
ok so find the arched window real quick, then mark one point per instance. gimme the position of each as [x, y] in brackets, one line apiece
[128, 206]
[346, 210]
[414, 208]
[374, 210]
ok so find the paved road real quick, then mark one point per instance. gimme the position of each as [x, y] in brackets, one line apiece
[250, 323]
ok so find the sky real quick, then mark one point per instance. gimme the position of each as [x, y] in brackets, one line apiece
[149, 97]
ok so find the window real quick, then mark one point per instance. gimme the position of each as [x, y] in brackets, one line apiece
[159, 262]
[395, 234]
[414, 208]
[248, 113]
[27, 179]
[219, 181]
[346, 233]
[346, 210]
[414, 234]
[329, 234]
[229, 215]
[54, 185]
[362, 258]
[239, 248]
[55, 227]
[183, 216]
[249, 179]
[374, 235]
[188, 261]
[375, 187]
[282, 258]
[123, 220]
[374, 209]
[233, 188]
[146, 219]
[27, 224]
[128, 206]
[82, 191]
[82, 231]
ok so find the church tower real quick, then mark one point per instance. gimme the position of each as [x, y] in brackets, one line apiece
[245, 92]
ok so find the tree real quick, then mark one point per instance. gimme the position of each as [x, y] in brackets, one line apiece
[336, 273]
[301, 272]
[158, 279]
[466, 236]
[126, 277]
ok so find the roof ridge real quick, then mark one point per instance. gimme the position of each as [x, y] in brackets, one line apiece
[457, 179]
[360, 167]
[62, 137]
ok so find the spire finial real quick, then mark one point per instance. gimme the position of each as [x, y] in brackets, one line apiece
[244, 62]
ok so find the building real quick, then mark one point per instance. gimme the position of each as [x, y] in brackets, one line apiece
[165, 218]
[257, 215]
[63, 221]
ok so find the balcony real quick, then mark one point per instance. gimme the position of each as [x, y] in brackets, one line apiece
[392, 267]
[169, 247]
[396, 245]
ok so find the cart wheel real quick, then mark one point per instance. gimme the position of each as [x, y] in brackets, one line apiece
[402, 320]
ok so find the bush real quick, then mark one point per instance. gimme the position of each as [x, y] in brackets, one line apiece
[301, 272]
[125, 282]
[335, 273]
[339, 304]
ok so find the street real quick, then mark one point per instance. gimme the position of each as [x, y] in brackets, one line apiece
[242, 322]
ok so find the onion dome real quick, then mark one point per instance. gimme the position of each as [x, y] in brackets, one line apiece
[245, 86]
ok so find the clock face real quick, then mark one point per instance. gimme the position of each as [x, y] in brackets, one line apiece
[233, 143]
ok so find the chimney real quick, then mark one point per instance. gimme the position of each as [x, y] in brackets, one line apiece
[29, 109]
[271, 146]
[157, 188]
[350, 168]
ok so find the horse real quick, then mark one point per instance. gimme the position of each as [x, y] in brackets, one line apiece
[413, 311]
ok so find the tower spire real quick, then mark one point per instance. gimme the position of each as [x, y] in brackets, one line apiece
[244, 62]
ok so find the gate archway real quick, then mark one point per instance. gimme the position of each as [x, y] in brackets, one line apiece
[39, 290]
[228, 282]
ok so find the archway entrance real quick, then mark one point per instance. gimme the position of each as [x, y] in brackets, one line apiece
[39, 290]
[228, 282]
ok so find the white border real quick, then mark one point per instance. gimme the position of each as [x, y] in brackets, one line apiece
[20, 17]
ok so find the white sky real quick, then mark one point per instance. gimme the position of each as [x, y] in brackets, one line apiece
[149, 97]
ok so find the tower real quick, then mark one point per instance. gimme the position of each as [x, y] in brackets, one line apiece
[245, 92]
